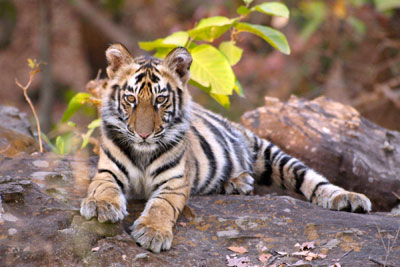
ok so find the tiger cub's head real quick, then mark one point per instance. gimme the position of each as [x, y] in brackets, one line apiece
[147, 99]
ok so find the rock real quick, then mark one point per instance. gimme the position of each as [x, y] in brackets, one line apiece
[15, 132]
[58, 235]
[337, 141]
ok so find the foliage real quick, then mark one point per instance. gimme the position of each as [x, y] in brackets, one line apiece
[211, 69]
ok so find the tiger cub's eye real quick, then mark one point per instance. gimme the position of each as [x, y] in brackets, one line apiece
[160, 99]
[130, 98]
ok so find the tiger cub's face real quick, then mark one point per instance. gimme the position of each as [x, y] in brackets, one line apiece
[146, 96]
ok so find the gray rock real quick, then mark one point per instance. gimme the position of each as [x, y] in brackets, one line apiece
[58, 235]
[15, 132]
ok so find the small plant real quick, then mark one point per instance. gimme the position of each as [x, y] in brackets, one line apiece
[211, 69]
[35, 68]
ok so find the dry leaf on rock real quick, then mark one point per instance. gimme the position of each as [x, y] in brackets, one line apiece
[237, 262]
[264, 257]
[240, 250]
[307, 245]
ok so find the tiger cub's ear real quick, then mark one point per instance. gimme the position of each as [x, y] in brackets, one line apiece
[179, 61]
[117, 56]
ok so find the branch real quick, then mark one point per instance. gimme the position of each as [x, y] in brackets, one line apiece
[105, 25]
[25, 90]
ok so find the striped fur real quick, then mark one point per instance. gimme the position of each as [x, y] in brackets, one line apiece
[159, 145]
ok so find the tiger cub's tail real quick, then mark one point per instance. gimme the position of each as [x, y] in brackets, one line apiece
[274, 165]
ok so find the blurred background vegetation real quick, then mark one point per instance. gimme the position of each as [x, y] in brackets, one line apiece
[346, 50]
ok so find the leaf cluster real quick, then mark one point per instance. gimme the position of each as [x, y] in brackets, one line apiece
[211, 69]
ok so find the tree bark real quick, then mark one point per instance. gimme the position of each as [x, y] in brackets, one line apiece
[335, 140]
[47, 83]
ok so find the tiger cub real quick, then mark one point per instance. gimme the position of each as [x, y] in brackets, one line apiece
[159, 145]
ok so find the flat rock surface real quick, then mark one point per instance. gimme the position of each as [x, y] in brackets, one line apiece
[42, 227]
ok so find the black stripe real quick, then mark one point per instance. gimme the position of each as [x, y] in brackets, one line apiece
[299, 179]
[169, 202]
[140, 77]
[168, 166]
[196, 177]
[285, 159]
[256, 148]
[120, 184]
[227, 169]
[221, 120]
[116, 162]
[316, 188]
[119, 139]
[165, 181]
[210, 157]
[180, 98]
[293, 163]
[164, 147]
[154, 78]
[266, 175]
[233, 140]
[173, 100]
[274, 155]
[267, 151]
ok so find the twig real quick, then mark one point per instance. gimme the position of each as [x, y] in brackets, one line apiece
[25, 90]
[272, 259]
[379, 262]
[345, 254]
[396, 195]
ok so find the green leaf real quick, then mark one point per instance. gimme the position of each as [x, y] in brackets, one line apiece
[272, 36]
[232, 52]
[60, 145]
[222, 99]
[242, 10]
[94, 124]
[210, 68]
[209, 29]
[238, 88]
[273, 9]
[75, 104]
[72, 124]
[385, 5]
[176, 39]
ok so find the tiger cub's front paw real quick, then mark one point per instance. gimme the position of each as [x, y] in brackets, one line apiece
[350, 201]
[110, 208]
[151, 235]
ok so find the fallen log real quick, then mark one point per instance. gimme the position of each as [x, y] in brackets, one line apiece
[337, 141]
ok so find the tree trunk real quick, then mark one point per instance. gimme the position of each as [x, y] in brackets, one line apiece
[334, 139]
[47, 85]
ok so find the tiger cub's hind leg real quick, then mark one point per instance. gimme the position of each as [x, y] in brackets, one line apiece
[242, 184]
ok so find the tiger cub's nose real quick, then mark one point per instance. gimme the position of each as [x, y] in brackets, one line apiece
[144, 135]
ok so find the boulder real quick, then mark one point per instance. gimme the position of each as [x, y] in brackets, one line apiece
[45, 228]
[337, 141]
[15, 132]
